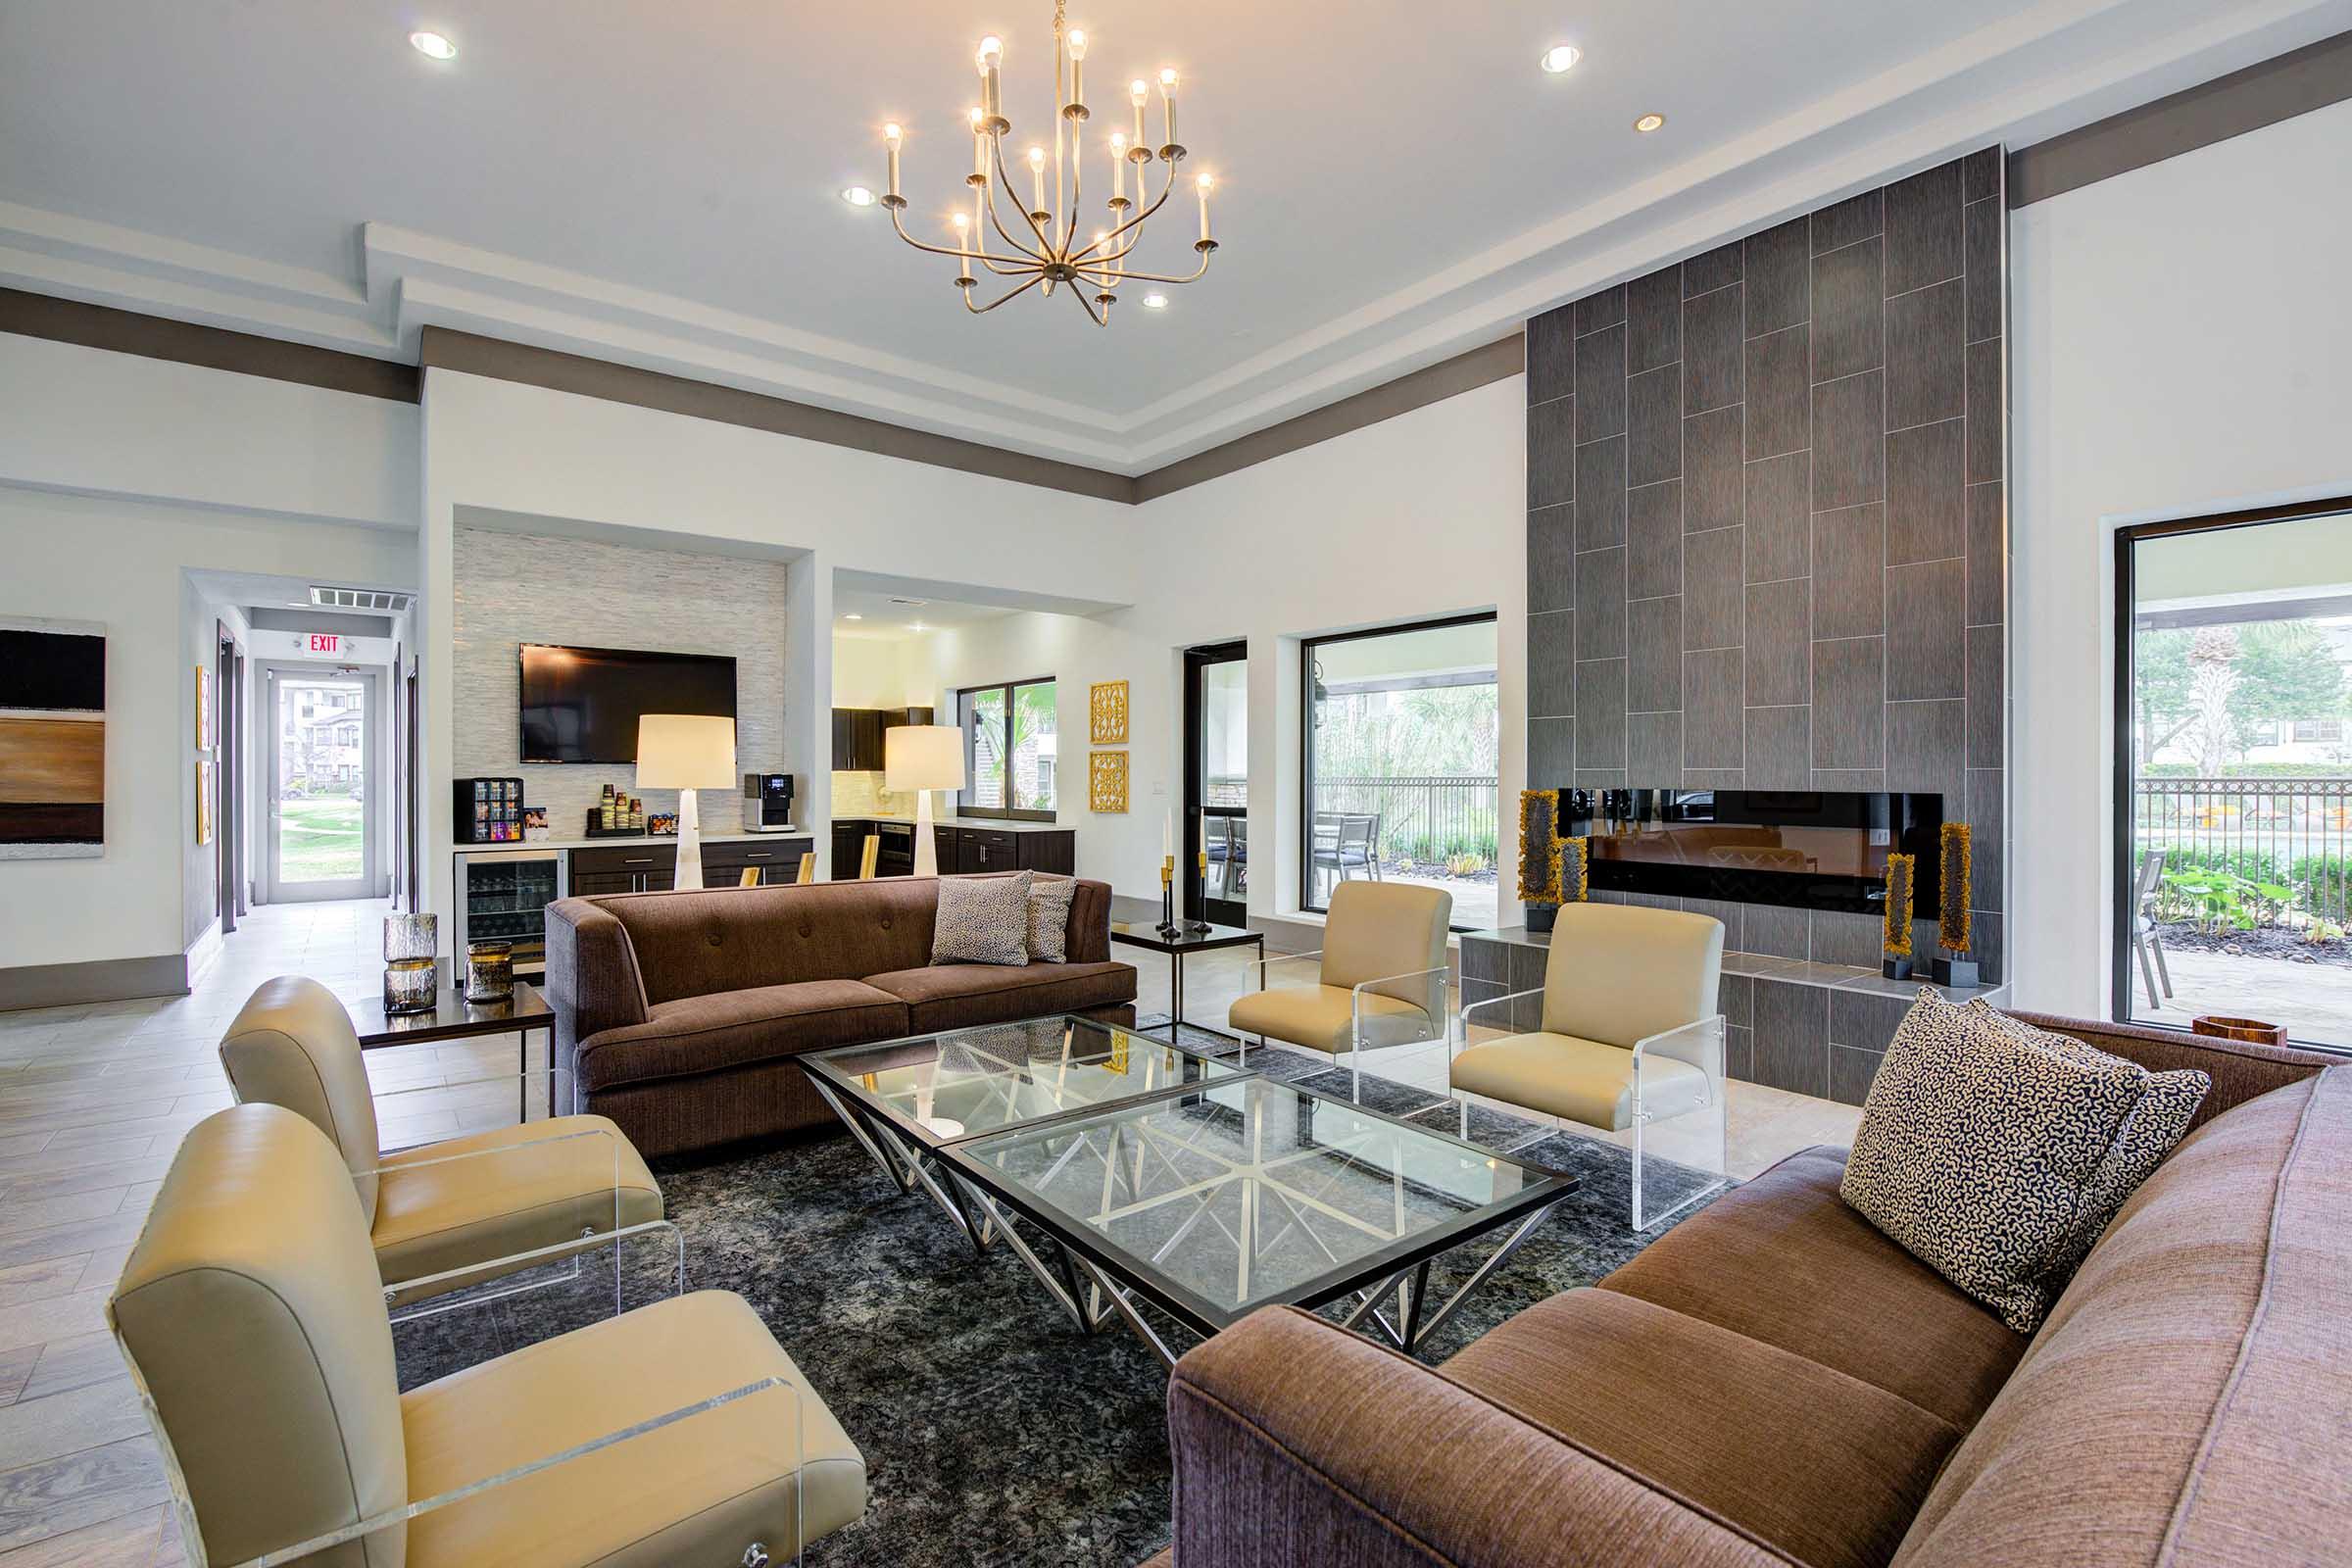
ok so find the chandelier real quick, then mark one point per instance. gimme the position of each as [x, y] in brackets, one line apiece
[1042, 245]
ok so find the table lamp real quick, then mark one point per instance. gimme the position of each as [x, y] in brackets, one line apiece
[924, 758]
[686, 752]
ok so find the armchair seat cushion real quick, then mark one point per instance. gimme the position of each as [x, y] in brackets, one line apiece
[537, 1184]
[965, 996]
[1323, 1018]
[1583, 1080]
[772, 1467]
[739, 1028]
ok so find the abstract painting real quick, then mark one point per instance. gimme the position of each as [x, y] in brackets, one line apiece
[52, 739]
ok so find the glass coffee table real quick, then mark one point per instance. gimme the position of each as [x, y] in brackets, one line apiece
[1166, 1180]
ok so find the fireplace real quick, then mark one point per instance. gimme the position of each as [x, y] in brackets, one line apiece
[1805, 848]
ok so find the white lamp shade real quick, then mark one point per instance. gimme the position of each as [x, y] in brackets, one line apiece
[922, 756]
[685, 752]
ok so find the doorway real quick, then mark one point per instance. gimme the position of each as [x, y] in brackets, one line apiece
[325, 799]
[1216, 781]
[2234, 772]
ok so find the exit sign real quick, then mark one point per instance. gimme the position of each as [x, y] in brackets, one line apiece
[326, 642]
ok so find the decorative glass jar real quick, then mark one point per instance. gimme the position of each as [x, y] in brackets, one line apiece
[410, 984]
[412, 936]
[489, 971]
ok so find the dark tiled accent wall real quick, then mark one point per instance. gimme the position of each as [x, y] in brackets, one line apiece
[1767, 543]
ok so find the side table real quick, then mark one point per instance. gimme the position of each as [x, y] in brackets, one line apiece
[454, 1018]
[1146, 934]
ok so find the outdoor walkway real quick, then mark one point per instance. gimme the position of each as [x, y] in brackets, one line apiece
[2313, 1000]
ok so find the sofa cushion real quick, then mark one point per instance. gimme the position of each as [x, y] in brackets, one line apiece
[958, 996]
[1049, 900]
[1324, 1019]
[1976, 1149]
[1823, 1466]
[2184, 1401]
[1783, 1259]
[729, 1028]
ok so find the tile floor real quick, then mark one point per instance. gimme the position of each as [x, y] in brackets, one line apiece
[93, 1101]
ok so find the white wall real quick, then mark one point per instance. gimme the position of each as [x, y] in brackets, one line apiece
[123, 562]
[2178, 346]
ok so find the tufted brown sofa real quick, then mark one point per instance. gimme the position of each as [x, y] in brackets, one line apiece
[1776, 1383]
[679, 1015]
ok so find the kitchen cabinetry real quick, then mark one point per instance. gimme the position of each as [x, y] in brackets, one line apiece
[857, 743]
[966, 846]
[650, 865]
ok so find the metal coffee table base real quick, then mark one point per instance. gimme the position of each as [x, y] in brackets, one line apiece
[909, 1165]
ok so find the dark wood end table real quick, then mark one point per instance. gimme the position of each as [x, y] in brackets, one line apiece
[454, 1018]
[1147, 934]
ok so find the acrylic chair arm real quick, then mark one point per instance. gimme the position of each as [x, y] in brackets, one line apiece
[1698, 1044]
[1264, 963]
[363, 1528]
[1364, 988]
[558, 1081]
[452, 1279]
[609, 1135]
[1468, 1009]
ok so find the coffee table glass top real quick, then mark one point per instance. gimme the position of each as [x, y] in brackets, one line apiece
[1250, 1191]
[974, 1081]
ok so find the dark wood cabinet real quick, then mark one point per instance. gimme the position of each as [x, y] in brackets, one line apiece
[965, 849]
[775, 859]
[859, 744]
[653, 866]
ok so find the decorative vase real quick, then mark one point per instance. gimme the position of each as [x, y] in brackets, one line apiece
[489, 971]
[410, 984]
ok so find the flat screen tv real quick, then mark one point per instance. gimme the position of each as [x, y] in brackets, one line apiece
[581, 705]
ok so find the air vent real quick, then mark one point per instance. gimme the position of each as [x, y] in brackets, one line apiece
[374, 599]
[911, 604]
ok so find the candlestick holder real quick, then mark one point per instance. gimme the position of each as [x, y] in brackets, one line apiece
[1167, 898]
[1201, 894]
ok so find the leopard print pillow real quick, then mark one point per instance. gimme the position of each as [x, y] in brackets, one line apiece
[2166, 1107]
[1977, 1150]
[982, 919]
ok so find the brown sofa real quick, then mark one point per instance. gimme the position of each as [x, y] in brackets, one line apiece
[1774, 1381]
[679, 1014]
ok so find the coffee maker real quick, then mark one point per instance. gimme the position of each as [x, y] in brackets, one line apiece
[767, 798]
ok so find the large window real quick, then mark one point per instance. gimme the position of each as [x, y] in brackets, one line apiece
[1402, 740]
[2234, 807]
[1009, 744]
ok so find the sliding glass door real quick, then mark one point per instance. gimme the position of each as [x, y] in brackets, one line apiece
[1216, 783]
[2234, 773]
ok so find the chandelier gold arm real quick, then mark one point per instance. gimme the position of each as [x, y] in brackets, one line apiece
[1098, 317]
[1045, 246]
[1156, 277]
[1011, 294]
[1136, 222]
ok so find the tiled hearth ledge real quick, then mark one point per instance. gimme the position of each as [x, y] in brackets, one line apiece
[1811, 1028]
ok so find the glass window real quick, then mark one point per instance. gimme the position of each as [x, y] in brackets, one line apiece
[1225, 733]
[1402, 741]
[1011, 737]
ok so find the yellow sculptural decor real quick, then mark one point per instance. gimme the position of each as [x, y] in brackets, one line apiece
[1574, 858]
[1107, 712]
[1901, 871]
[1107, 781]
[1958, 868]
[1547, 891]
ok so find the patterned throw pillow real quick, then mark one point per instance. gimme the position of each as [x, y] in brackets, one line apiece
[1977, 1150]
[1050, 918]
[982, 919]
[2157, 1123]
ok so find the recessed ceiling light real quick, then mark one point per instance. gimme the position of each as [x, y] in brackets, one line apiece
[1155, 302]
[434, 45]
[857, 196]
[1560, 56]
[917, 626]
[1650, 123]
[853, 616]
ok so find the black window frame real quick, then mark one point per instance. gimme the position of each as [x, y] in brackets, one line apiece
[1307, 729]
[2124, 716]
[1008, 813]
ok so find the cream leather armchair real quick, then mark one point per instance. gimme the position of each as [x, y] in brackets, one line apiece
[1379, 978]
[444, 1216]
[261, 1348]
[1629, 1038]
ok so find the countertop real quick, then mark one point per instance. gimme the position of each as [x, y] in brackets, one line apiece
[624, 840]
[986, 823]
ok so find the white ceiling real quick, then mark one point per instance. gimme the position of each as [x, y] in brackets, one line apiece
[884, 617]
[656, 184]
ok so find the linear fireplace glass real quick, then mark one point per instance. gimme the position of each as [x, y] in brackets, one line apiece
[1816, 850]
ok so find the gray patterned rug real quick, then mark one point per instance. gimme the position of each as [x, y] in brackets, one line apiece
[994, 1434]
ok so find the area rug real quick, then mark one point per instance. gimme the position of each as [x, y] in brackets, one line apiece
[994, 1433]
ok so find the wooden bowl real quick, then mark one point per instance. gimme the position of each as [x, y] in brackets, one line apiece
[2253, 1030]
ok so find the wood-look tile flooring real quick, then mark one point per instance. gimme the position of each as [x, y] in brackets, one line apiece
[94, 1101]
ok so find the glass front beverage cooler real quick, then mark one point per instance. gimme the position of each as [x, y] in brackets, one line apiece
[503, 896]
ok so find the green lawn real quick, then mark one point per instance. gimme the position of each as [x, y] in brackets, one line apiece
[319, 840]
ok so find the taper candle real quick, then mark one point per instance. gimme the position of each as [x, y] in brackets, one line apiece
[1167, 101]
[979, 145]
[1204, 183]
[1136, 92]
[1118, 167]
[891, 135]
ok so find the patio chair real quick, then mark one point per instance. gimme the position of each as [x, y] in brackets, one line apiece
[2148, 944]
[1347, 840]
[1629, 1037]
[1227, 841]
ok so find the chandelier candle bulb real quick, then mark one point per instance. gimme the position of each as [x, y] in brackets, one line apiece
[963, 248]
[1167, 101]
[1076, 108]
[891, 135]
[991, 57]
[1118, 169]
[1136, 92]
[1037, 182]
[1204, 183]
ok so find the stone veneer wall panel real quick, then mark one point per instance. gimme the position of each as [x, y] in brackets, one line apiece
[514, 588]
[1767, 541]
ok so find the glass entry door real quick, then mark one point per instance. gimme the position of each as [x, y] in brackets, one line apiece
[1216, 786]
[321, 781]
